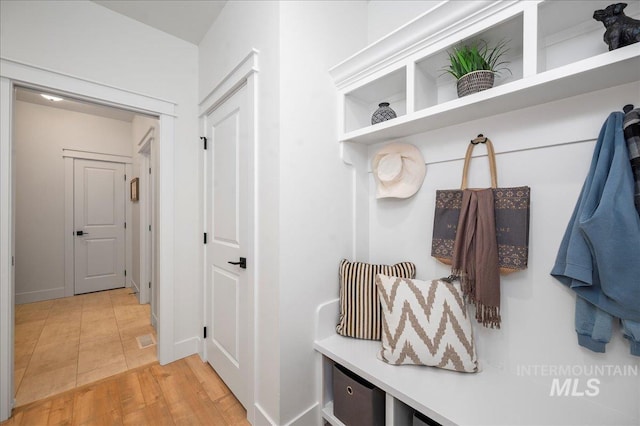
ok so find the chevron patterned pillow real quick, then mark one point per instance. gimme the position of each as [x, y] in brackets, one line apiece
[425, 323]
[360, 315]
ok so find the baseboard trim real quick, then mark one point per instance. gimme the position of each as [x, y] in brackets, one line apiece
[39, 295]
[262, 418]
[184, 348]
[135, 287]
[307, 417]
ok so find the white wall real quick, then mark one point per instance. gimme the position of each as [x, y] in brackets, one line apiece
[384, 16]
[537, 311]
[89, 41]
[41, 133]
[315, 191]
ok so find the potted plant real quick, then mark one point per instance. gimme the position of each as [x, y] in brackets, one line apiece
[475, 66]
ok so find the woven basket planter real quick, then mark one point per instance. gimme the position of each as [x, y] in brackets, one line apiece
[475, 81]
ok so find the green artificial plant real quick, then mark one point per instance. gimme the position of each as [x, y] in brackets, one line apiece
[476, 57]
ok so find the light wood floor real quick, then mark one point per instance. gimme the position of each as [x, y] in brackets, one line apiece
[64, 343]
[185, 392]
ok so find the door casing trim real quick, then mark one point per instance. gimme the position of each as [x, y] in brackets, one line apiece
[15, 73]
[146, 237]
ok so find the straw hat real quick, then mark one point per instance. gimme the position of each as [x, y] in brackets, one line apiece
[399, 170]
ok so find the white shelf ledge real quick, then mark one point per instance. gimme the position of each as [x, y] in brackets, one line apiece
[609, 69]
[449, 397]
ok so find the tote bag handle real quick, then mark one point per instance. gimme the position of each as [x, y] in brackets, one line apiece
[492, 161]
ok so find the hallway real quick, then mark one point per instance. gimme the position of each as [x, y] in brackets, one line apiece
[66, 343]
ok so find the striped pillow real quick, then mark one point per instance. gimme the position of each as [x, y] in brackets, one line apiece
[359, 305]
[425, 323]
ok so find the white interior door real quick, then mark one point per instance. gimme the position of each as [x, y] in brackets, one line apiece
[227, 226]
[99, 216]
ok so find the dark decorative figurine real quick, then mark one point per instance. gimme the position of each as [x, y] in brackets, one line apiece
[621, 29]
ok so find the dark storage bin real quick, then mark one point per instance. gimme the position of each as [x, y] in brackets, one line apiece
[420, 419]
[356, 402]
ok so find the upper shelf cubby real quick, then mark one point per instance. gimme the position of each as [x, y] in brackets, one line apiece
[555, 51]
[433, 86]
[567, 32]
[362, 102]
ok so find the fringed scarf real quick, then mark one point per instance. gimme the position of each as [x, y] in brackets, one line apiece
[475, 255]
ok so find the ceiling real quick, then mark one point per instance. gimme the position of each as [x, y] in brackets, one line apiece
[70, 104]
[188, 20]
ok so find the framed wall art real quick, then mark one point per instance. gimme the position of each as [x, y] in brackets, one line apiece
[134, 189]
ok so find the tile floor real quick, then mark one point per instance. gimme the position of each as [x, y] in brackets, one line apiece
[65, 343]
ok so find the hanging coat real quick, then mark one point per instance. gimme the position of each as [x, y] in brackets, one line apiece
[599, 257]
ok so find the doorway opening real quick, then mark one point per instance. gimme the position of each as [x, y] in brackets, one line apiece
[80, 235]
[16, 74]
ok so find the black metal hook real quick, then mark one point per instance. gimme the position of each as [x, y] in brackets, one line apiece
[480, 139]
[451, 278]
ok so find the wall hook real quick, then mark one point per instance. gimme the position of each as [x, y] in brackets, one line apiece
[480, 139]
[627, 108]
[451, 278]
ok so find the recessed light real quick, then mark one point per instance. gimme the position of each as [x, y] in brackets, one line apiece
[51, 98]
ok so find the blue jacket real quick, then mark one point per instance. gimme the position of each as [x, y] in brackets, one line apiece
[599, 257]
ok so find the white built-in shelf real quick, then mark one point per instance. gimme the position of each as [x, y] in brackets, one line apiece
[555, 52]
[449, 397]
[607, 70]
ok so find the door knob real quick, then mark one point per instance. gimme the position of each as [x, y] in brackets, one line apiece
[81, 233]
[242, 263]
